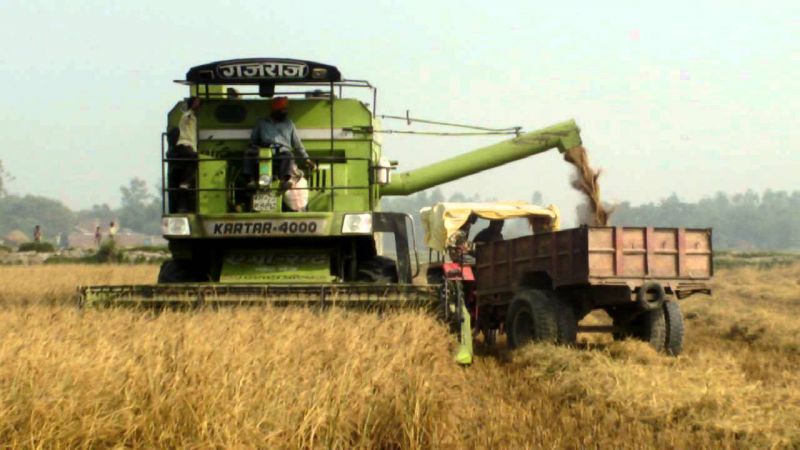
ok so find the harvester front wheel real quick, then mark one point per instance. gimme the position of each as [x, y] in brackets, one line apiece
[177, 271]
[379, 269]
[532, 317]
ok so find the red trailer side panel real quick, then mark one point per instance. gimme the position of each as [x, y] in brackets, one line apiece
[678, 258]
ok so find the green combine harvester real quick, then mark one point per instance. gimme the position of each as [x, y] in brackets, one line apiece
[240, 246]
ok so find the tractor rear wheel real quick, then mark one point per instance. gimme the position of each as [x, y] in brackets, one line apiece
[447, 308]
[177, 271]
[531, 317]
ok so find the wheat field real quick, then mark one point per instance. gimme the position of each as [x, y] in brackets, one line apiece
[293, 378]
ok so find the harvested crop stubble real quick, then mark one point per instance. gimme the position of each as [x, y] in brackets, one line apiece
[290, 378]
[586, 181]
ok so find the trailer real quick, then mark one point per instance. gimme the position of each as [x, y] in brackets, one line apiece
[538, 287]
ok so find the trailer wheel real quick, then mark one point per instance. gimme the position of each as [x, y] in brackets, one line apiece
[177, 271]
[651, 296]
[651, 327]
[490, 337]
[661, 328]
[675, 330]
[567, 323]
[531, 317]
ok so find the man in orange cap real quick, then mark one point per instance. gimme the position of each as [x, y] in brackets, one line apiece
[278, 132]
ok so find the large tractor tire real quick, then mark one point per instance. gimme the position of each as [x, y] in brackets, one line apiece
[567, 322]
[674, 317]
[661, 328]
[532, 317]
[177, 271]
[447, 307]
[379, 269]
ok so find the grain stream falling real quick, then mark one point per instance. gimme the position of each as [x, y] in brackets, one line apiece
[585, 180]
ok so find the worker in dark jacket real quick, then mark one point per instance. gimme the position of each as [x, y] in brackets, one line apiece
[492, 233]
[278, 131]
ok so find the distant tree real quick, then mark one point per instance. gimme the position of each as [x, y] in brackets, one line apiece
[102, 212]
[4, 177]
[140, 210]
[770, 221]
[24, 213]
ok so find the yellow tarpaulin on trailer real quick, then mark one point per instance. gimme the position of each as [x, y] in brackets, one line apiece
[442, 220]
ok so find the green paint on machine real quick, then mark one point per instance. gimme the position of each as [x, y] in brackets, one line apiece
[297, 266]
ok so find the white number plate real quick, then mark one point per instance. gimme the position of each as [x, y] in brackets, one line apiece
[269, 227]
[265, 202]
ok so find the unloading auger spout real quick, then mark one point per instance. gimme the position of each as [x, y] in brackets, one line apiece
[563, 136]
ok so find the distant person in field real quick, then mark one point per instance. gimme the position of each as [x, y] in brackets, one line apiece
[182, 173]
[37, 234]
[492, 233]
[98, 236]
[63, 240]
[112, 230]
[277, 131]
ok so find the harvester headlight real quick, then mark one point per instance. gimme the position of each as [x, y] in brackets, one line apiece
[175, 226]
[357, 224]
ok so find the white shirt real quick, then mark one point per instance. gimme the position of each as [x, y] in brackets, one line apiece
[188, 130]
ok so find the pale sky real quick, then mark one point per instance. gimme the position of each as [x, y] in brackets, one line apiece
[690, 97]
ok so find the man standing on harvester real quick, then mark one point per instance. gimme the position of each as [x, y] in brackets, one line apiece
[182, 170]
[279, 132]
